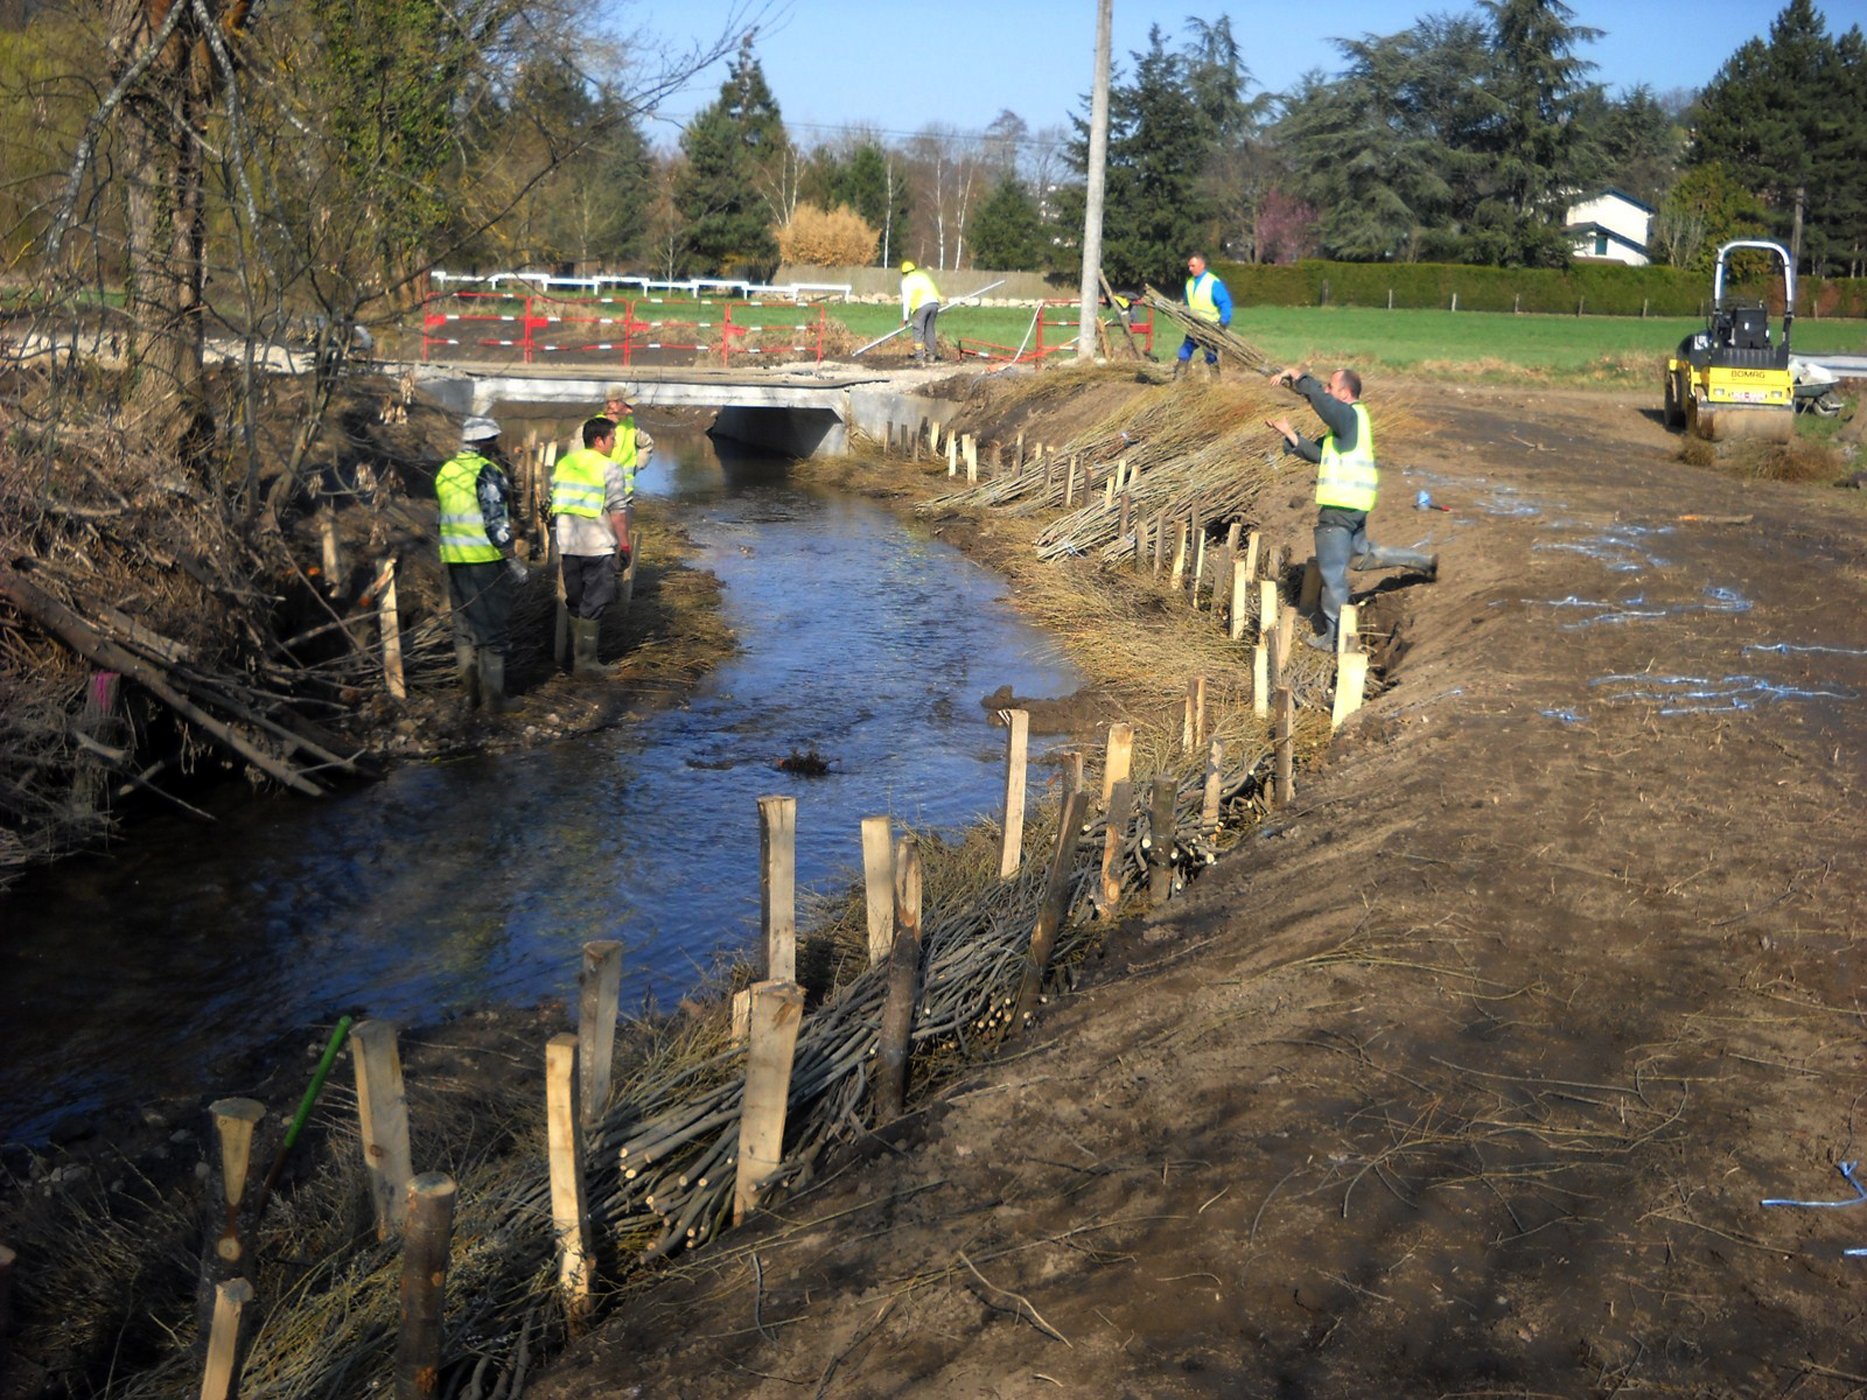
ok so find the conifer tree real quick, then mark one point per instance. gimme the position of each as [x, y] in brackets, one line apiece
[733, 149]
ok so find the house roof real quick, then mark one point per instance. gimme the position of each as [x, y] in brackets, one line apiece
[1591, 229]
[1609, 191]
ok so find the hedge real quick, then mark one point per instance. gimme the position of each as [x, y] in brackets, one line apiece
[1595, 289]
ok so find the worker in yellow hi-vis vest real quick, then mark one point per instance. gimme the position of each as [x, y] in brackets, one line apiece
[1347, 485]
[920, 304]
[483, 568]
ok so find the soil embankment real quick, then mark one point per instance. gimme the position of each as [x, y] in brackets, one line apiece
[1468, 1072]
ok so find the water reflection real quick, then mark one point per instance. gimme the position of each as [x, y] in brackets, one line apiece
[448, 885]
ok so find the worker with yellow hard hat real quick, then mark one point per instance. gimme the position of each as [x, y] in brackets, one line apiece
[920, 304]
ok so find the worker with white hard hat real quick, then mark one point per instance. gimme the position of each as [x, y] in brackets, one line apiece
[483, 568]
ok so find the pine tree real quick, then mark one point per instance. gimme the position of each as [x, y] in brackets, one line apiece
[1536, 88]
[1007, 232]
[734, 150]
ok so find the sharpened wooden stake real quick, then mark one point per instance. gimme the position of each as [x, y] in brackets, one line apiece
[382, 1112]
[1285, 788]
[570, 1219]
[1162, 799]
[904, 987]
[777, 844]
[1117, 759]
[1351, 679]
[599, 990]
[220, 1380]
[429, 1210]
[1011, 834]
[1114, 837]
[1215, 770]
[777, 1015]
[1058, 886]
[878, 880]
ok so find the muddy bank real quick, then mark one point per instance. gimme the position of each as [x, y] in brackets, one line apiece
[1466, 1076]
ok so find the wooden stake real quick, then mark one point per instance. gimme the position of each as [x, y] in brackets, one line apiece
[952, 455]
[234, 1122]
[1161, 802]
[1118, 757]
[382, 1111]
[777, 1015]
[1310, 593]
[1177, 578]
[429, 1210]
[332, 561]
[1348, 629]
[969, 448]
[1069, 482]
[1073, 776]
[1195, 729]
[391, 620]
[1241, 599]
[1199, 563]
[904, 987]
[1351, 679]
[878, 878]
[777, 844]
[1127, 514]
[570, 1220]
[1285, 788]
[1160, 541]
[221, 1378]
[741, 1030]
[1114, 836]
[1215, 769]
[599, 989]
[1017, 459]
[1055, 909]
[1251, 556]
[1267, 605]
[1011, 833]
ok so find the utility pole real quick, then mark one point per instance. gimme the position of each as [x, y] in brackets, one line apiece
[1098, 162]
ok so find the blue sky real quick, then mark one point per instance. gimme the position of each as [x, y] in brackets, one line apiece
[897, 67]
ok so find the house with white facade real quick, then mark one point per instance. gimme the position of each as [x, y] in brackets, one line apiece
[1610, 226]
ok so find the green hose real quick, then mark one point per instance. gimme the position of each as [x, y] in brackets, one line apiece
[305, 1105]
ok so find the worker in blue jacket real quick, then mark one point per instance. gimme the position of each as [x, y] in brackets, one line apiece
[1207, 300]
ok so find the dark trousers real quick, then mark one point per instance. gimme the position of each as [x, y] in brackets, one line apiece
[481, 599]
[589, 583]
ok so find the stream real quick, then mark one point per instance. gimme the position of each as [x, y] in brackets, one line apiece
[150, 971]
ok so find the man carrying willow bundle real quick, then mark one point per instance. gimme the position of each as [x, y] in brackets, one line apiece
[1347, 483]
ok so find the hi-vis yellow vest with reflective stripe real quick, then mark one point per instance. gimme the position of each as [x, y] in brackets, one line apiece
[623, 454]
[577, 483]
[919, 289]
[1199, 298]
[1349, 481]
[463, 528]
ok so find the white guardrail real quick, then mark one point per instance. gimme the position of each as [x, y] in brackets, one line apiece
[697, 286]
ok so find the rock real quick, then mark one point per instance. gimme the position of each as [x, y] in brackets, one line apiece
[155, 1118]
[73, 1129]
[70, 1175]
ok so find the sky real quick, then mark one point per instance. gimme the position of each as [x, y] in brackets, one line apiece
[897, 67]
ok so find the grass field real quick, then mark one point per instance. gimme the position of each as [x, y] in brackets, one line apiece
[1612, 351]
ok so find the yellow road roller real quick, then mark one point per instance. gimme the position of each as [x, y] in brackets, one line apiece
[1730, 380]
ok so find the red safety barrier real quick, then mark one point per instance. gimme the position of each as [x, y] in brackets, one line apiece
[615, 327]
[1060, 316]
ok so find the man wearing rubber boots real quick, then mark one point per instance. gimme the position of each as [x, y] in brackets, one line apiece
[483, 569]
[920, 307]
[1347, 483]
[589, 507]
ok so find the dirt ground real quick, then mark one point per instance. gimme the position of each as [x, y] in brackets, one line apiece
[1467, 1074]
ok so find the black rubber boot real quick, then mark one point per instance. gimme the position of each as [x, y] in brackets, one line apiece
[584, 632]
[492, 681]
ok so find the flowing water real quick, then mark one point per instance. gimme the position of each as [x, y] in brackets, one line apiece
[451, 885]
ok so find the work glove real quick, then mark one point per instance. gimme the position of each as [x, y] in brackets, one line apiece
[622, 557]
[517, 570]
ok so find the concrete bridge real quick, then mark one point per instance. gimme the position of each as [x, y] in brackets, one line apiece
[801, 411]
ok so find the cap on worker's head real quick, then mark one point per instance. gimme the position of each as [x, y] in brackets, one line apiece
[478, 429]
[907, 264]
